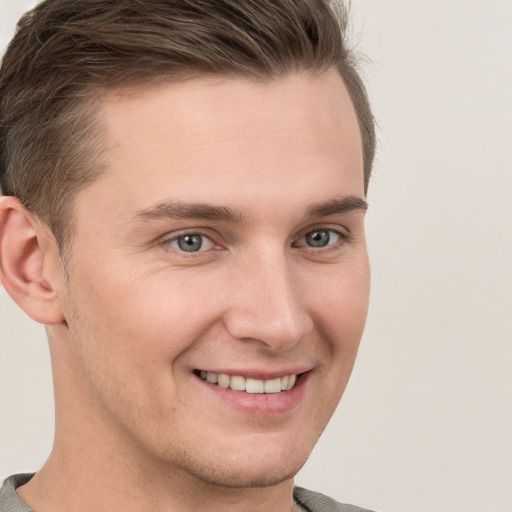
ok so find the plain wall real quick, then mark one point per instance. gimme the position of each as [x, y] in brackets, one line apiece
[426, 422]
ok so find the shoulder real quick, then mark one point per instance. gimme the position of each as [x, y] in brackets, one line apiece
[9, 500]
[316, 502]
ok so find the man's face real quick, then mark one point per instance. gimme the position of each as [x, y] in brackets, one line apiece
[225, 237]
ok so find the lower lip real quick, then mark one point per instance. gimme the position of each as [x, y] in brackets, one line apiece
[261, 404]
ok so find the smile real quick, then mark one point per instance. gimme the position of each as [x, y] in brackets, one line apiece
[247, 384]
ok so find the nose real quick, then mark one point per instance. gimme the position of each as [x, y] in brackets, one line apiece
[267, 304]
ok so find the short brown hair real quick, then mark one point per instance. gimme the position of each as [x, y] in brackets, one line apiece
[67, 52]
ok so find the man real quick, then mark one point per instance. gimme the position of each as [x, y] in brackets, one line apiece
[183, 207]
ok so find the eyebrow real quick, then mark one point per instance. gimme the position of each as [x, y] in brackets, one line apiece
[337, 206]
[179, 210]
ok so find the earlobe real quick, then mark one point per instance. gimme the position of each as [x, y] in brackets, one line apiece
[28, 259]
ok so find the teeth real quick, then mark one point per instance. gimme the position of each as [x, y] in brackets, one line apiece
[272, 386]
[212, 377]
[239, 383]
[254, 386]
[291, 382]
[224, 380]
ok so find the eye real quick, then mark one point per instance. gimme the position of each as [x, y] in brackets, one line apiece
[191, 242]
[320, 238]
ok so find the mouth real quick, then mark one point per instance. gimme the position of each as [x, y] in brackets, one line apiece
[248, 384]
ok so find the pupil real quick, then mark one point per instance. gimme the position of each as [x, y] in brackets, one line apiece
[318, 238]
[190, 243]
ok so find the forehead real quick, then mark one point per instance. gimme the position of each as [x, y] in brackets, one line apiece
[228, 137]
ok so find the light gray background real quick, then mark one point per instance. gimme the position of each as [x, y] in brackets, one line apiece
[426, 422]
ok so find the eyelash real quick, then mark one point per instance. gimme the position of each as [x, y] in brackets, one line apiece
[343, 238]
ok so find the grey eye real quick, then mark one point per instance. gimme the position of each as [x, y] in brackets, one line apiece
[319, 238]
[192, 242]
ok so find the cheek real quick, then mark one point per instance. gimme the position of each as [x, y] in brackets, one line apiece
[147, 321]
[341, 298]
[341, 310]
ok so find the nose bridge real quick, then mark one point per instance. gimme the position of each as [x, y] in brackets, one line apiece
[267, 304]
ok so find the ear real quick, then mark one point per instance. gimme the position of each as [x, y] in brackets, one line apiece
[30, 265]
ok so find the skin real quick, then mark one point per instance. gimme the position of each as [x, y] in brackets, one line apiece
[131, 316]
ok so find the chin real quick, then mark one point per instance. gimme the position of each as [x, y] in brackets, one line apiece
[268, 474]
[268, 465]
